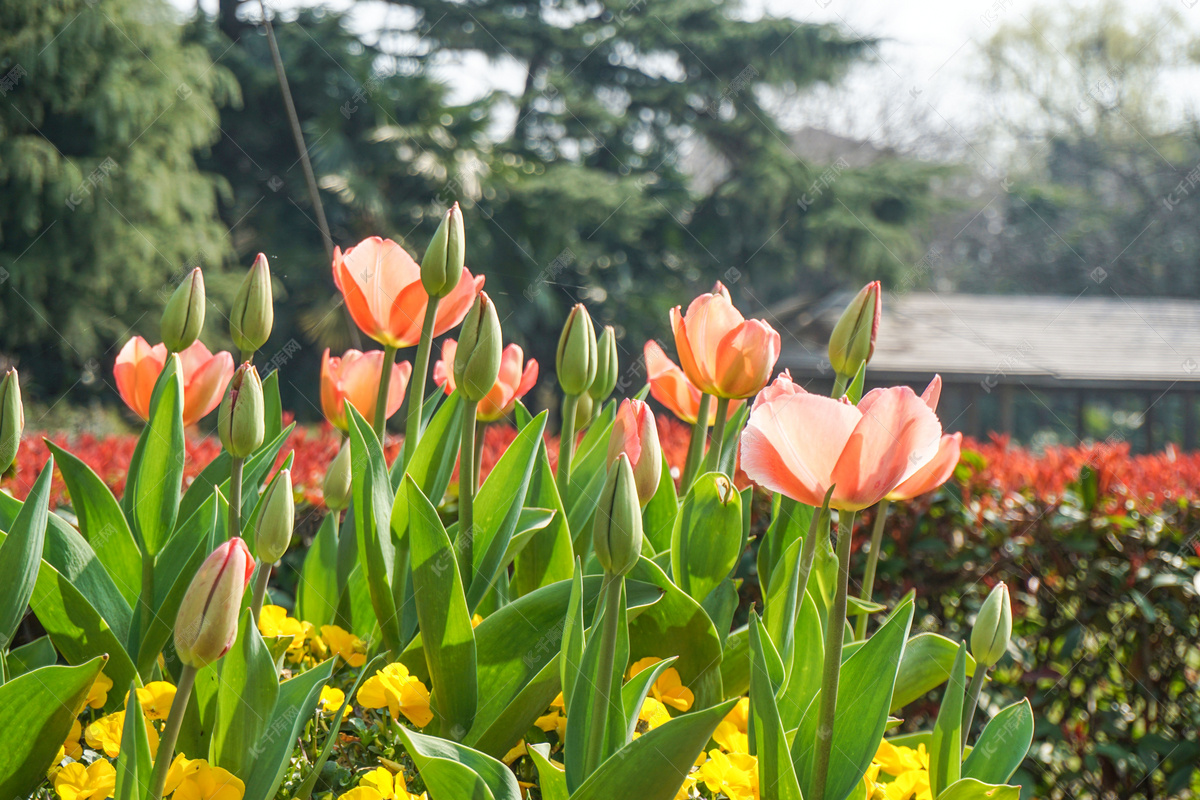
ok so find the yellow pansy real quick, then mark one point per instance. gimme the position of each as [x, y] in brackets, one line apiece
[668, 689]
[72, 747]
[909, 770]
[105, 734]
[345, 644]
[274, 621]
[331, 699]
[721, 774]
[313, 643]
[870, 782]
[180, 768]
[383, 782]
[475, 620]
[156, 699]
[685, 790]
[202, 781]
[94, 782]
[361, 793]
[515, 753]
[739, 715]
[399, 692]
[98, 694]
[653, 713]
[730, 739]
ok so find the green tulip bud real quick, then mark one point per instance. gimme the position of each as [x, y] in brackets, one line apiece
[585, 408]
[183, 318]
[273, 533]
[207, 623]
[993, 628]
[337, 488]
[253, 312]
[617, 529]
[852, 342]
[12, 419]
[477, 359]
[442, 266]
[606, 366]
[576, 358]
[241, 420]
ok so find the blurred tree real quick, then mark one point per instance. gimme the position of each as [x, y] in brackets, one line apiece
[101, 202]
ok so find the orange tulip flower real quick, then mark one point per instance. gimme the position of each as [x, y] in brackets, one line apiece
[941, 467]
[800, 444]
[205, 376]
[382, 287]
[511, 384]
[669, 386]
[721, 352]
[354, 379]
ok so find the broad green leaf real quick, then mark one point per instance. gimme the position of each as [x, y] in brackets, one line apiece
[945, 750]
[570, 654]
[807, 662]
[36, 712]
[28, 657]
[21, 555]
[450, 651]
[776, 775]
[372, 502]
[721, 606]
[706, 539]
[433, 461]
[1002, 745]
[658, 517]
[102, 522]
[589, 468]
[552, 780]
[735, 663]
[653, 766]
[790, 520]
[498, 507]
[249, 687]
[317, 591]
[454, 772]
[156, 468]
[548, 556]
[633, 693]
[134, 762]
[531, 521]
[273, 753]
[972, 789]
[195, 736]
[926, 665]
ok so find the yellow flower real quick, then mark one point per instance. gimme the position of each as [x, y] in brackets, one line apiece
[553, 720]
[156, 699]
[345, 644]
[105, 734]
[721, 774]
[98, 694]
[77, 782]
[739, 715]
[668, 689]
[313, 643]
[653, 713]
[181, 768]
[730, 739]
[475, 620]
[909, 770]
[383, 782]
[361, 793]
[331, 699]
[397, 691]
[515, 753]
[274, 621]
[201, 781]
[72, 747]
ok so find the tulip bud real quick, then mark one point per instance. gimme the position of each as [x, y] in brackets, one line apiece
[337, 489]
[635, 435]
[584, 409]
[993, 628]
[852, 342]
[207, 623]
[253, 312]
[183, 318]
[442, 266]
[606, 366]
[477, 359]
[241, 419]
[617, 529]
[12, 419]
[576, 358]
[273, 533]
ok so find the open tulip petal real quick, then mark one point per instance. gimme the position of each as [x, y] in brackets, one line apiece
[933, 474]
[205, 377]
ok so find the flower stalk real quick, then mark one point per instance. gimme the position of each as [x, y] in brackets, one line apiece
[695, 453]
[831, 673]
[713, 462]
[416, 392]
[170, 734]
[385, 382]
[881, 512]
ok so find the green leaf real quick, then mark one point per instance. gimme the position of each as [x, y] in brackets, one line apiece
[633, 693]
[372, 501]
[776, 775]
[706, 540]
[790, 520]
[272, 406]
[36, 712]
[653, 766]
[971, 789]
[102, 522]
[548, 556]
[945, 751]
[570, 655]
[735, 663]
[317, 592]
[1002, 745]
[552, 780]
[433, 461]
[151, 501]
[21, 555]
[588, 471]
[28, 657]
[298, 699]
[445, 621]
[454, 772]
[246, 699]
[729, 442]
[928, 658]
[658, 518]
[806, 665]
[134, 763]
[498, 507]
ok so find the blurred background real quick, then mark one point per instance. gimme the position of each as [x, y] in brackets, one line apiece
[1019, 174]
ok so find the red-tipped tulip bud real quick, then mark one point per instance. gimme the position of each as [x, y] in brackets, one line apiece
[442, 266]
[993, 628]
[635, 435]
[606, 366]
[477, 359]
[207, 623]
[12, 419]
[337, 487]
[241, 420]
[853, 340]
[273, 533]
[183, 318]
[253, 312]
[617, 529]
[576, 359]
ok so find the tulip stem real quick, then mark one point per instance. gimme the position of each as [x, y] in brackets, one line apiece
[480, 434]
[166, 743]
[260, 590]
[416, 385]
[695, 451]
[235, 497]
[868, 587]
[566, 444]
[466, 493]
[834, 635]
[973, 690]
[385, 383]
[839, 385]
[613, 585]
[713, 462]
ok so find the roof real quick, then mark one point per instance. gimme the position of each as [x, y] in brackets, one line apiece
[1029, 339]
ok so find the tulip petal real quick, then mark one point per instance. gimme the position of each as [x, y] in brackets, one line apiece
[443, 370]
[933, 474]
[745, 358]
[933, 392]
[669, 385]
[204, 386]
[454, 306]
[355, 296]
